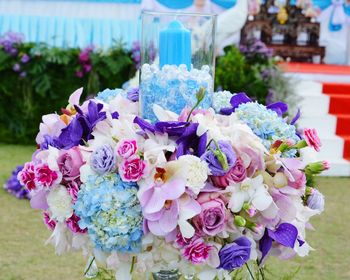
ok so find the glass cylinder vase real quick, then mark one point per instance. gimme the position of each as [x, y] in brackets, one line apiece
[177, 59]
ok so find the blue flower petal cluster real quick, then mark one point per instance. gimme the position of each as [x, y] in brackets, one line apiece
[108, 94]
[110, 210]
[266, 124]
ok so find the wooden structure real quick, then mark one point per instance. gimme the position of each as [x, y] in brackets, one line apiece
[296, 39]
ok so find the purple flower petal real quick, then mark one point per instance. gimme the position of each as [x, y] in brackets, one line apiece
[279, 107]
[239, 99]
[265, 245]
[144, 125]
[296, 117]
[286, 234]
[38, 200]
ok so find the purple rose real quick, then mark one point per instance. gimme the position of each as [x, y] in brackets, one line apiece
[236, 175]
[220, 166]
[69, 163]
[103, 159]
[212, 219]
[235, 254]
[316, 200]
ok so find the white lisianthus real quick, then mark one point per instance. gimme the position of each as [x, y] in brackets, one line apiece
[197, 172]
[60, 203]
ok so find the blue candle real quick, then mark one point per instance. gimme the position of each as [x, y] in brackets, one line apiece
[175, 45]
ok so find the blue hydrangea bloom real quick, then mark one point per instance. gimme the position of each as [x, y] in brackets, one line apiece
[110, 210]
[108, 94]
[266, 124]
[221, 99]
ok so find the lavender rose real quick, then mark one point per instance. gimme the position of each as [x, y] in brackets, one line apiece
[212, 219]
[220, 158]
[316, 200]
[103, 159]
[236, 175]
[235, 254]
[69, 163]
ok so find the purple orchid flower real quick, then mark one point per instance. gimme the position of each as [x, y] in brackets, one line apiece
[285, 234]
[80, 128]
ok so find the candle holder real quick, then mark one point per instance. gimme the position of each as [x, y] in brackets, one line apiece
[177, 58]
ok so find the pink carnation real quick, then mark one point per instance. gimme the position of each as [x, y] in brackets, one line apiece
[73, 189]
[45, 177]
[127, 148]
[197, 251]
[132, 169]
[27, 176]
[51, 224]
[312, 138]
[72, 224]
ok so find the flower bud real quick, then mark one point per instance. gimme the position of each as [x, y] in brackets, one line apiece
[280, 180]
[240, 221]
[316, 200]
[317, 167]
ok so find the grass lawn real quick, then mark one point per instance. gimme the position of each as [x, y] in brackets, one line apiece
[23, 254]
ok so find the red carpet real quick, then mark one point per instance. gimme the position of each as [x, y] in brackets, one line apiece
[340, 107]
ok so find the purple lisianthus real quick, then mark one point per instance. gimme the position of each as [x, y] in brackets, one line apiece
[9, 41]
[220, 166]
[235, 254]
[103, 159]
[316, 200]
[14, 187]
[133, 94]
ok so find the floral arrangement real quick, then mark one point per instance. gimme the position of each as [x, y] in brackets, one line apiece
[207, 193]
[14, 187]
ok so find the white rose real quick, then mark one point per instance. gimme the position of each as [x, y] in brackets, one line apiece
[197, 171]
[60, 203]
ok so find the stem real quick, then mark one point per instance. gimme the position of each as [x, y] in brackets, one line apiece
[250, 272]
[132, 264]
[194, 107]
[261, 270]
[88, 268]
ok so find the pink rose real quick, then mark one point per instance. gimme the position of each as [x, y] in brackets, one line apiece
[132, 169]
[27, 176]
[236, 175]
[312, 139]
[69, 163]
[196, 251]
[212, 219]
[127, 148]
[45, 177]
[72, 224]
[51, 224]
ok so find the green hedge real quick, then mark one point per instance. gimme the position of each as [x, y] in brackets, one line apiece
[43, 84]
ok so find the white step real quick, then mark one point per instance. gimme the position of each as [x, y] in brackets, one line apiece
[332, 148]
[313, 104]
[302, 87]
[340, 167]
[324, 124]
